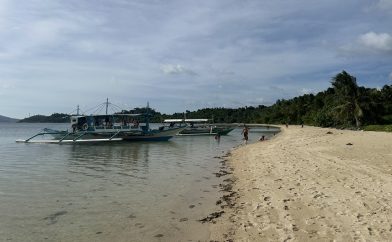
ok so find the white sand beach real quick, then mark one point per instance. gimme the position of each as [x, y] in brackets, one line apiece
[311, 184]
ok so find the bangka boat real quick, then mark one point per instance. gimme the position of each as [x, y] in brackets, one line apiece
[198, 127]
[107, 127]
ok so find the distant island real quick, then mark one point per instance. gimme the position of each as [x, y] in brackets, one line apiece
[4, 119]
[344, 105]
[54, 118]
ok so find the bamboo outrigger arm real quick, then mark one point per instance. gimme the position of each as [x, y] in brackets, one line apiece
[42, 133]
[65, 136]
[80, 136]
[114, 135]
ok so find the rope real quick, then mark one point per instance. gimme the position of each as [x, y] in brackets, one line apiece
[98, 108]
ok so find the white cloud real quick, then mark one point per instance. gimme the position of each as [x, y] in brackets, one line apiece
[6, 85]
[378, 42]
[306, 91]
[176, 69]
[3, 11]
[49, 30]
[90, 46]
[221, 52]
[369, 43]
[385, 5]
[260, 100]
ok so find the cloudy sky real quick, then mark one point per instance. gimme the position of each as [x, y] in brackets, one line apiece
[184, 55]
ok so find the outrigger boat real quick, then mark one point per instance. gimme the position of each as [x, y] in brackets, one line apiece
[198, 127]
[108, 127]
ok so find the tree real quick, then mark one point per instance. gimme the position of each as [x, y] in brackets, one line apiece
[348, 98]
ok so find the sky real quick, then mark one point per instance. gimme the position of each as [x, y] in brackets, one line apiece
[184, 55]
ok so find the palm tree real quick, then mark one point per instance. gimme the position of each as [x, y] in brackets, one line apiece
[348, 98]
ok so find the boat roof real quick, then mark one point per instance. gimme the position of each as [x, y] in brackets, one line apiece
[195, 120]
[128, 114]
[105, 115]
[173, 120]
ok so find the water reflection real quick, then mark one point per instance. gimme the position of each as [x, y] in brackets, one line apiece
[131, 160]
[86, 187]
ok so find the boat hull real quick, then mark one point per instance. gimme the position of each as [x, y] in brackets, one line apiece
[112, 135]
[206, 131]
[155, 135]
[108, 127]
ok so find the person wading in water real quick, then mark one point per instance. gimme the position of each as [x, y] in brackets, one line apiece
[245, 132]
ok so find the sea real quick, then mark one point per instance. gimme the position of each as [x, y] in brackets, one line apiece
[126, 191]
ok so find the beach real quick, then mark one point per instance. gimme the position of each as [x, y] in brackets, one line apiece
[308, 184]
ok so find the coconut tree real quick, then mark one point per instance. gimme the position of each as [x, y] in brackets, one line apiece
[348, 98]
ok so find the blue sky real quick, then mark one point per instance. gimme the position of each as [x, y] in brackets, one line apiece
[183, 55]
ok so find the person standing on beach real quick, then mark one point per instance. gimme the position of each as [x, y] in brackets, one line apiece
[245, 132]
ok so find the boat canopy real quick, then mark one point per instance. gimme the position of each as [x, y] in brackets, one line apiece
[111, 115]
[195, 120]
[173, 120]
[128, 114]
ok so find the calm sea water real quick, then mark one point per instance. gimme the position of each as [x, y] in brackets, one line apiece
[100, 192]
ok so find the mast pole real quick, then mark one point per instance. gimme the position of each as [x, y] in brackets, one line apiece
[107, 105]
[148, 116]
[77, 110]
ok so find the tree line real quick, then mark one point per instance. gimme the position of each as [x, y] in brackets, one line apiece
[54, 118]
[344, 104]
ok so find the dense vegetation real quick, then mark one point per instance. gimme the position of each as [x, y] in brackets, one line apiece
[385, 128]
[344, 104]
[54, 118]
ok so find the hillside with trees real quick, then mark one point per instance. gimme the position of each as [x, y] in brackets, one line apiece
[54, 118]
[344, 104]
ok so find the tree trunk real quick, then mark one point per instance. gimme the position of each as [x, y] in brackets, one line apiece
[358, 114]
[357, 121]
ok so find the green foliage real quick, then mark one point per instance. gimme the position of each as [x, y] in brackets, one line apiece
[387, 119]
[384, 128]
[348, 102]
[323, 119]
[345, 104]
[54, 118]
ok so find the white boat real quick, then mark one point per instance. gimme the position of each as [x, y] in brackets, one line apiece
[198, 127]
[107, 127]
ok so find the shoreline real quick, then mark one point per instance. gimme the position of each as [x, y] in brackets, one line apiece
[308, 184]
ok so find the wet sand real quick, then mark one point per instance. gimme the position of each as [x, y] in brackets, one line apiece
[308, 184]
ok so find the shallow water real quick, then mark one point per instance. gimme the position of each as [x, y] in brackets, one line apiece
[134, 191]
